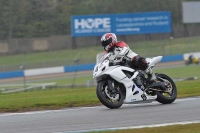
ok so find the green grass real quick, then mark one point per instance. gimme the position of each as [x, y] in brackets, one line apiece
[68, 81]
[47, 99]
[189, 128]
[74, 97]
[188, 88]
[181, 72]
[88, 54]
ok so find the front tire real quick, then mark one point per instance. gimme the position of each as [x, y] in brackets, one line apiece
[108, 98]
[169, 97]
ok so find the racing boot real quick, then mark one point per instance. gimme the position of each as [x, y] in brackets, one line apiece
[151, 75]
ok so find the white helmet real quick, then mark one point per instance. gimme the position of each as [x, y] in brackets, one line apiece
[108, 40]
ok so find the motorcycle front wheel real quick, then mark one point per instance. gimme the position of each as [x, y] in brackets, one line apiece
[107, 97]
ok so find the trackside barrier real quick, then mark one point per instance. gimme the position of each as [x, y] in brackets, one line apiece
[42, 71]
[172, 58]
[196, 54]
[81, 67]
[33, 86]
[12, 74]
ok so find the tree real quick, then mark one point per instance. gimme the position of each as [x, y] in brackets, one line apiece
[40, 18]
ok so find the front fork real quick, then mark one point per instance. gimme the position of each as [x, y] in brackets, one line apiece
[112, 85]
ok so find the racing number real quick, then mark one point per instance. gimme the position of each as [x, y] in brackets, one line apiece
[144, 97]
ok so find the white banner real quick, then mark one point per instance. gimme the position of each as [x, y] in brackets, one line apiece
[191, 12]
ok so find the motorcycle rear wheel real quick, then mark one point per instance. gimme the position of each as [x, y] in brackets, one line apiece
[108, 98]
[169, 97]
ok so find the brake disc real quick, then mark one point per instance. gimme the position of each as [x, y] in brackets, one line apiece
[115, 97]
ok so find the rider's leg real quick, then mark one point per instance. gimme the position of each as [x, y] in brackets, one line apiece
[141, 63]
[151, 75]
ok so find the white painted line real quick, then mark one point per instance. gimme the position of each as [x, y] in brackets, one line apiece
[135, 127]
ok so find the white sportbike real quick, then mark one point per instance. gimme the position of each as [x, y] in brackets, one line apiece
[118, 83]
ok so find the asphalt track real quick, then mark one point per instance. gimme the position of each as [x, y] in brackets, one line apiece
[99, 117]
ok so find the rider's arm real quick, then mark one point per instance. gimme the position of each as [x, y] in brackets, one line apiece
[127, 53]
[123, 51]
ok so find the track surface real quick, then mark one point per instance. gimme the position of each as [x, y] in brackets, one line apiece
[89, 118]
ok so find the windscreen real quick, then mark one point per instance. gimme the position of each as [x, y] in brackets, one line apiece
[100, 57]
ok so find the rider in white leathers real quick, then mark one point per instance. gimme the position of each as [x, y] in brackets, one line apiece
[121, 49]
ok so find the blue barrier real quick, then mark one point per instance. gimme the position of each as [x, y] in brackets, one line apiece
[172, 58]
[11, 74]
[82, 67]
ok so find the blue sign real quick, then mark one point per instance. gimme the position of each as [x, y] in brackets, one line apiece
[121, 24]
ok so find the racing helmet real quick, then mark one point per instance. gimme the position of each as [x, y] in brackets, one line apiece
[108, 40]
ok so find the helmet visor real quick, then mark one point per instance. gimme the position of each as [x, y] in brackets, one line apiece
[107, 42]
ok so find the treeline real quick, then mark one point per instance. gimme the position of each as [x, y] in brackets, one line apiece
[42, 18]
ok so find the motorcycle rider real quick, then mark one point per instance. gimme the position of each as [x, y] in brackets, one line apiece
[191, 57]
[120, 49]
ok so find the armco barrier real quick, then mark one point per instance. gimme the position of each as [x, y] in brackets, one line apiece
[172, 58]
[12, 74]
[42, 71]
[81, 67]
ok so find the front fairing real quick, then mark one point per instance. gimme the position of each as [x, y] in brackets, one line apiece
[102, 63]
[100, 68]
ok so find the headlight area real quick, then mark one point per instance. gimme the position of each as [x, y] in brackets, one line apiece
[96, 69]
[103, 69]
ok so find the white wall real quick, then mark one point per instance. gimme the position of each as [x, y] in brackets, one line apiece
[41, 71]
[196, 54]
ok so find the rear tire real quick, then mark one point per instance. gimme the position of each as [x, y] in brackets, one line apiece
[171, 97]
[107, 99]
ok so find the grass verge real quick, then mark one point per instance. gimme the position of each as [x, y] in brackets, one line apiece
[190, 128]
[76, 97]
[48, 99]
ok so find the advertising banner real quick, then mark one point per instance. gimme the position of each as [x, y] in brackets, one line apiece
[121, 24]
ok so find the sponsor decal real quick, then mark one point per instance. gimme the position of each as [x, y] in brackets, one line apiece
[129, 86]
[143, 96]
[135, 92]
[133, 87]
[133, 100]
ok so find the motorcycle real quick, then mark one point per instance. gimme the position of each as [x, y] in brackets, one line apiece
[195, 60]
[118, 83]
